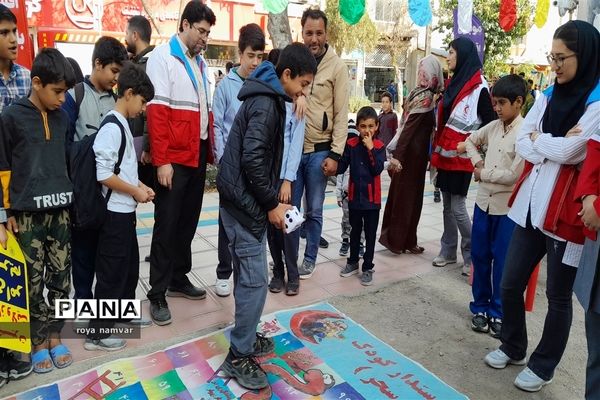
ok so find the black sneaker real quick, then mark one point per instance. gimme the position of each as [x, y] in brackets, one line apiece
[366, 279]
[345, 248]
[479, 323]
[276, 285]
[246, 372]
[495, 327]
[436, 196]
[159, 311]
[17, 368]
[349, 270]
[323, 243]
[263, 345]
[188, 291]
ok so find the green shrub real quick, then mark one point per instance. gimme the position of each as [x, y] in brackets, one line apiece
[356, 103]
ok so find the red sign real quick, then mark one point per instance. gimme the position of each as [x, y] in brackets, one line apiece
[25, 52]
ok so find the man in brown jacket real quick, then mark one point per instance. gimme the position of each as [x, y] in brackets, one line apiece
[325, 134]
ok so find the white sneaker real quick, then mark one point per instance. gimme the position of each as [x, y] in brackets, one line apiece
[137, 323]
[111, 343]
[498, 359]
[222, 287]
[528, 381]
[440, 261]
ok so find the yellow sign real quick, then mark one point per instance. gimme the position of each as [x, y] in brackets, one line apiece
[14, 299]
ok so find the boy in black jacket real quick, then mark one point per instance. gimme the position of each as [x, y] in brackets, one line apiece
[247, 184]
[37, 196]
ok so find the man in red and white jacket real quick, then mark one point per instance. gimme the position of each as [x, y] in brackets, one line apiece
[179, 130]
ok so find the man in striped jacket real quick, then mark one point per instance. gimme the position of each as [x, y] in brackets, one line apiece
[179, 130]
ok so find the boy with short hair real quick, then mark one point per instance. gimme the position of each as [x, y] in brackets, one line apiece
[15, 80]
[497, 173]
[251, 46]
[37, 193]
[365, 155]
[117, 259]
[247, 182]
[86, 110]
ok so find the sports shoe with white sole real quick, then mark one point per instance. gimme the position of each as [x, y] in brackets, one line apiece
[528, 381]
[499, 360]
[440, 261]
[222, 287]
[111, 343]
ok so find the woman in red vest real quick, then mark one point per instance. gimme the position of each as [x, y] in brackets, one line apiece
[465, 107]
[552, 141]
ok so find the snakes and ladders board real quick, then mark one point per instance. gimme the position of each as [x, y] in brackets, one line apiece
[319, 354]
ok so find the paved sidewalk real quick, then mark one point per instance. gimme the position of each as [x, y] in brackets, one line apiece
[190, 317]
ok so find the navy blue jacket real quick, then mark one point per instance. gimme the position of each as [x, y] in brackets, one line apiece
[364, 189]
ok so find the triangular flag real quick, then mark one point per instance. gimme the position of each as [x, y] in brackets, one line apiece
[508, 14]
[275, 6]
[465, 16]
[352, 10]
[420, 12]
[541, 13]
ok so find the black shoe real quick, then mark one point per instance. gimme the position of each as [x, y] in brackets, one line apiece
[276, 285]
[17, 368]
[188, 291]
[147, 258]
[292, 288]
[263, 345]
[436, 196]
[246, 372]
[323, 243]
[344, 249]
[159, 311]
[479, 323]
[495, 327]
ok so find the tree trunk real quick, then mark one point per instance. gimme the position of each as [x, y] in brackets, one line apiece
[279, 29]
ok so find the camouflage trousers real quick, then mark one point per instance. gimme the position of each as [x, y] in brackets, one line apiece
[45, 239]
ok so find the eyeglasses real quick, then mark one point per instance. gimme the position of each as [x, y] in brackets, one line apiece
[203, 32]
[558, 60]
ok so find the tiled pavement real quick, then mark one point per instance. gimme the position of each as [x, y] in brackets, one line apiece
[214, 311]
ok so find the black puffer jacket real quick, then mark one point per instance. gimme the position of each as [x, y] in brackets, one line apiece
[250, 166]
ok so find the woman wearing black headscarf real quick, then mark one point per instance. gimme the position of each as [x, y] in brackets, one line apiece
[465, 107]
[552, 140]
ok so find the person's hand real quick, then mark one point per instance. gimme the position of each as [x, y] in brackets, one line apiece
[574, 131]
[340, 203]
[300, 107]
[11, 225]
[329, 167]
[534, 135]
[477, 174]
[588, 214]
[165, 175]
[461, 147]
[141, 195]
[395, 165]
[3, 236]
[277, 215]
[148, 190]
[285, 193]
[479, 164]
[146, 158]
[368, 141]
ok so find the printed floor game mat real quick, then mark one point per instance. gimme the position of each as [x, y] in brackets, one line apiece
[319, 354]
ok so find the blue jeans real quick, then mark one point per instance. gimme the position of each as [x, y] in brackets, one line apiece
[489, 243]
[250, 277]
[310, 177]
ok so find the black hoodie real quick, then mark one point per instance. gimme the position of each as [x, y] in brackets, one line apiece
[250, 166]
[33, 158]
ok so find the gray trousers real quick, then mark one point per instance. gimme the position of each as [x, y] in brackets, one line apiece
[456, 218]
[250, 277]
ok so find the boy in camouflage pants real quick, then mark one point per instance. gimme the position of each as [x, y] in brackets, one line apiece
[36, 194]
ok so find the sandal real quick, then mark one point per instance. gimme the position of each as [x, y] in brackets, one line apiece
[38, 358]
[416, 250]
[59, 351]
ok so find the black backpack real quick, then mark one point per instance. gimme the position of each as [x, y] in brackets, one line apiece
[89, 205]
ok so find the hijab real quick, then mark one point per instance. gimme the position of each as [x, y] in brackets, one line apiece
[467, 64]
[568, 100]
[420, 99]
